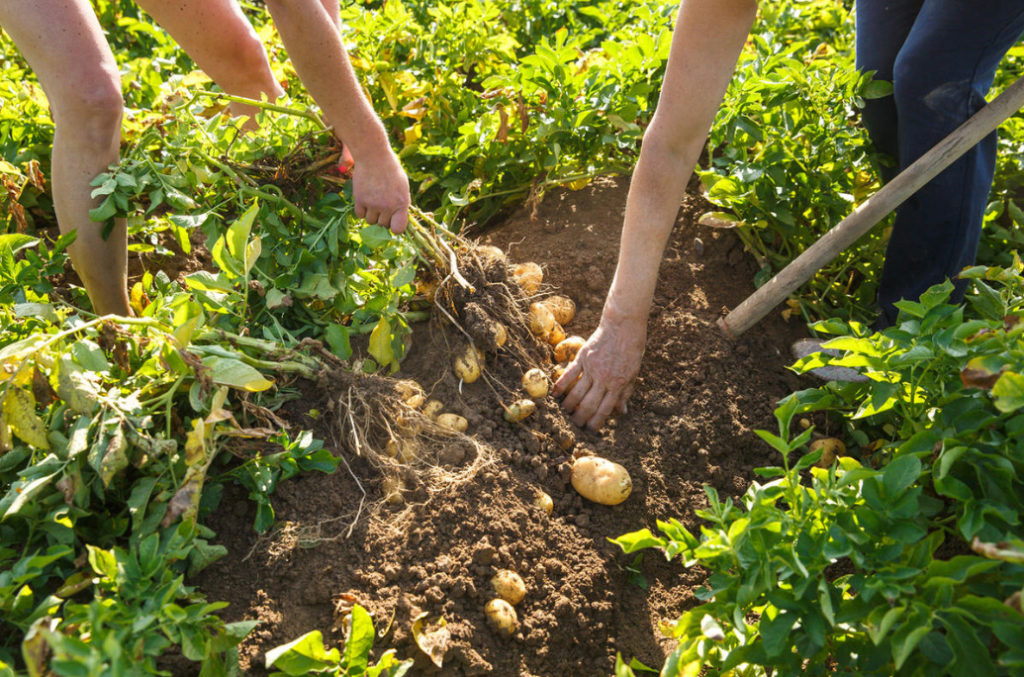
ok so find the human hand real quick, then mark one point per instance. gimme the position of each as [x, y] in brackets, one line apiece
[380, 190]
[601, 378]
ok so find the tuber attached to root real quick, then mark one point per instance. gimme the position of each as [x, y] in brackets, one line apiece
[491, 255]
[600, 480]
[562, 307]
[535, 383]
[468, 365]
[432, 409]
[509, 586]
[541, 320]
[502, 617]
[556, 335]
[567, 349]
[519, 410]
[529, 277]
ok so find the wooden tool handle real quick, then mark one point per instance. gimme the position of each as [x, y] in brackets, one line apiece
[873, 210]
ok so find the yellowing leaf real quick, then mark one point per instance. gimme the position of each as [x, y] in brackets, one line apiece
[380, 343]
[432, 637]
[413, 134]
[235, 373]
[19, 408]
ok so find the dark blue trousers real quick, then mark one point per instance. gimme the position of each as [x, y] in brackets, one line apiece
[941, 56]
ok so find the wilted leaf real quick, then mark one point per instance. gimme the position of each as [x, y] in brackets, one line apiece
[35, 650]
[432, 637]
[115, 457]
[19, 407]
[981, 372]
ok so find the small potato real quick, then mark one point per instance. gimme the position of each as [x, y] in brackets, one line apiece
[405, 450]
[562, 307]
[519, 410]
[557, 372]
[491, 254]
[409, 425]
[427, 288]
[453, 422]
[391, 487]
[543, 501]
[415, 401]
[500, 334]
[407, 388]
[567, 349]
[509, 586]
[831, 449]
[433, 408]
[541, 320]
[502, 617]
[535, 383]
[528, 276]
[556, 335]
[600, 480]
[467, 365]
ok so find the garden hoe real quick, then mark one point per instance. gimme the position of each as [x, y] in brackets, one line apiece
[870, 212]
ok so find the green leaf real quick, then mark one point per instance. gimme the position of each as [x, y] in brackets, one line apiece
[900, 474]
[1008, 392]
[360, 641]
[775, 632]
[303, 655]
[235, 373]
[103, 562]
[638, 540]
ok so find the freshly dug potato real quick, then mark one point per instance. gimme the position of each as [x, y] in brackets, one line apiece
[415, 401]
[543, 501]
[500, 334]
[409, 425]
[453, 422]
[831, 449]
[600, 480]
[502, 617]
[427, 288]
[541, 320]
[491, 254]
[407, 388]
[403, 449]
[558, 371]
[535, 383]
[433, 408]
[392, 490]
[562, 307]
[528, 276]
[567, 349]
[467, 365]
[556, 335]
[519, 410]
[509, 586]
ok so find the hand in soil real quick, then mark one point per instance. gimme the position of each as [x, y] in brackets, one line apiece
[601, 378]
[380, 191]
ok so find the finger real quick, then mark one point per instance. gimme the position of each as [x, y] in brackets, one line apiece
[622, 404]
[360, 210]
[588, 406]
[384, 219]
[371, 215]
[576, 395]
[568, 379]
[399, 220]
[608, 404]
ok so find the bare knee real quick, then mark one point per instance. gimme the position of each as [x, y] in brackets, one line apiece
[90, 108]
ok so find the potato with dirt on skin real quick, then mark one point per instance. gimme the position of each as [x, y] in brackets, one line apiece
[567, 349]
[415, 401]
[831, 449]
[391, 487]
[491, 254]
[500, 334]
[453, 422]
[407, 389]
[600, 480]
[535, 383]
[509, 586]
[528, 276]
[467, 365]
[502, 617]
[542, 500]
[556, 335]
[541, 320]
[519, 410]
[432, 409]
[562, 307]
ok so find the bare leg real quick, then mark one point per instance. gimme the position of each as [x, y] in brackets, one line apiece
[218, 37]
[63, 42]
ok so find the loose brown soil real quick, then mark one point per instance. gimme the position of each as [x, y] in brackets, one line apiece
[698, 400]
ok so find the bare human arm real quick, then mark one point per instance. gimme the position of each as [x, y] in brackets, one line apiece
[309, 32]
[706, 43]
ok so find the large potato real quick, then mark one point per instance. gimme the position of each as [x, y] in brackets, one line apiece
[509, 586]
[541, 320]
[490, 254]
[519, 410]
[433, 408]
[567, 349]
[831, 449]
[502, 617]
[528, 276]
[535, 383]
[600, 480]
[562, 307]
[467, 365]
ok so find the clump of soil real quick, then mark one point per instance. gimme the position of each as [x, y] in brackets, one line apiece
[467, 508]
